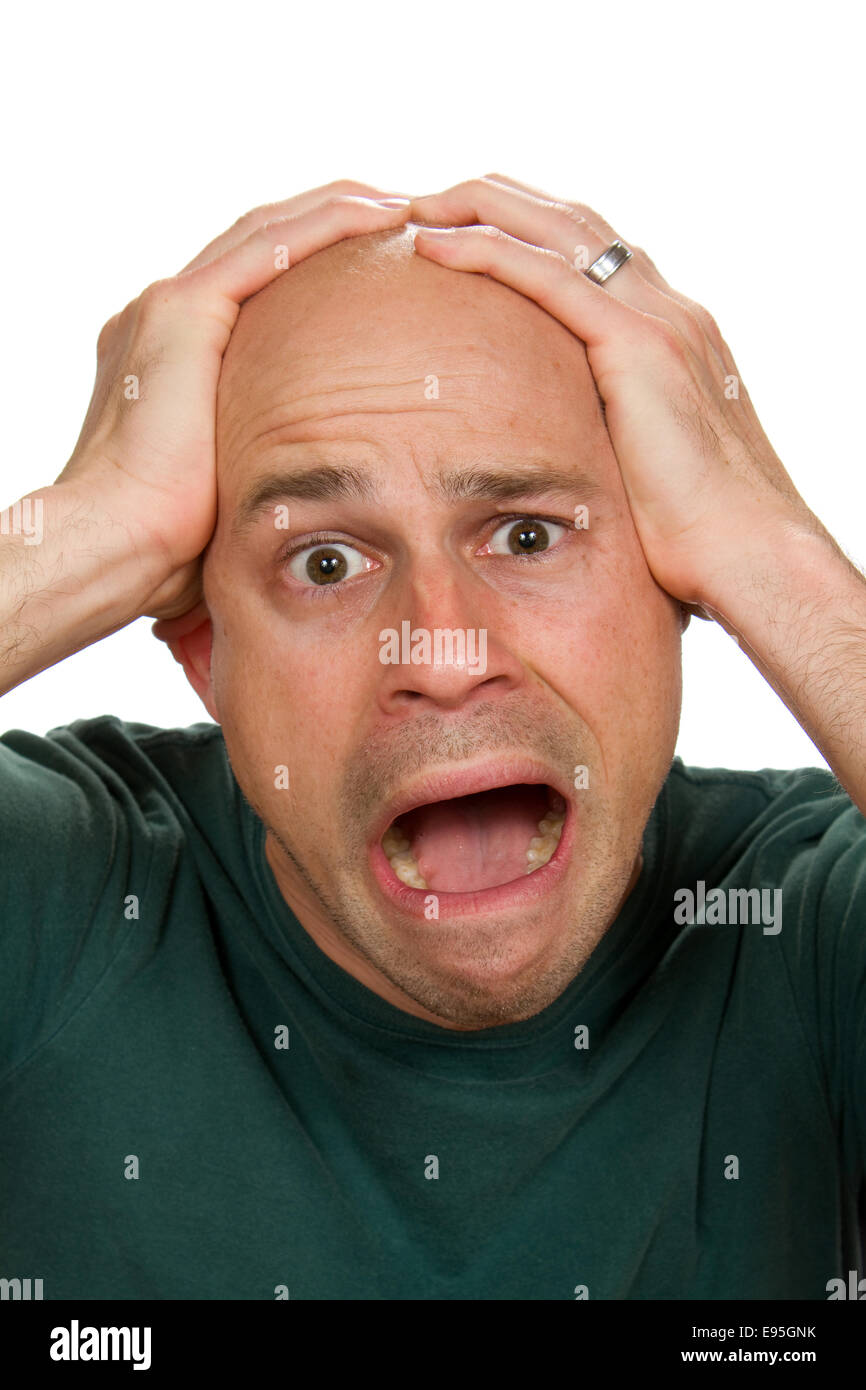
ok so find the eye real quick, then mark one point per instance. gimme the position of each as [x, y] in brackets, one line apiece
[327, 562]
[527, 536]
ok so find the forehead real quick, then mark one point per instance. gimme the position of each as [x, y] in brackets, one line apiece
[444, 359]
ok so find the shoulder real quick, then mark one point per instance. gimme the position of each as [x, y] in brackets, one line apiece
[771, 814]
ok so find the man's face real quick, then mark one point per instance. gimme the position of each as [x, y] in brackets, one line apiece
[426, 437]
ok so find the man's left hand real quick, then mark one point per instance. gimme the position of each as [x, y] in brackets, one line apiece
[703, 482]
[721, 524]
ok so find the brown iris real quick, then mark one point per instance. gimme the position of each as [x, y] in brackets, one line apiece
[528, 538]
[325, 565]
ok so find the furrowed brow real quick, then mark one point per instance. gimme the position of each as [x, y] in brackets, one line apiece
[326, 482]
[503, 485]
[320, 483]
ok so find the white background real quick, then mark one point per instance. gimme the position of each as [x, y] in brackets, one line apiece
[726, 139]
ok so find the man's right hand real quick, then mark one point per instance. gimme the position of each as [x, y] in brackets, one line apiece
[156, 453]
[126, 522]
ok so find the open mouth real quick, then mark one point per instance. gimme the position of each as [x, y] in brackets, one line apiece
[466, 844]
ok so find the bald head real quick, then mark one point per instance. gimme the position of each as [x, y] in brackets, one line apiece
[368, 322]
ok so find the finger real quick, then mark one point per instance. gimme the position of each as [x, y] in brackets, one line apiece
[277, 245]
[647, 267]
[555, 225]
[541, 274]
[645, 263]
[602, 227]
[294, 206]
[562, 228]
[523, 187]
[582, 215]
[578, 234]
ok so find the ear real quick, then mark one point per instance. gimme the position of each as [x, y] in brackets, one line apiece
[189, 640]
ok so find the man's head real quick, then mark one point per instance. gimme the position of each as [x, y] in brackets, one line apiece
[403, 452]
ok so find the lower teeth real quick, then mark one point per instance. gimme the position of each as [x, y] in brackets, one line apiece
[401, 859]
[541, 847]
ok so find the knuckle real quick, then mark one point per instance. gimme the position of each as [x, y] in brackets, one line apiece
[348, 188]
[703, 320]
[558, 266]
[153, 298]
[494, 233]
[341, 201]
[707, 322]
[500, 182]
[573, 214]
[669, 337]
[273, 224]
[107, 331]
[246, 218]
[470, 186]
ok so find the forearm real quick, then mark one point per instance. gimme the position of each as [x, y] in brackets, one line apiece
[798, 610]
[70, 574]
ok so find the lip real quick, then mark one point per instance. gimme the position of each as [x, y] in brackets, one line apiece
[465, 781]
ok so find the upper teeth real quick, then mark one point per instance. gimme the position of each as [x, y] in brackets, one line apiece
[540, 850]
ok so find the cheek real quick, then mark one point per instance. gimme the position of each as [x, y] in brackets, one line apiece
[285, 702]
[610, 647]
[645, 676]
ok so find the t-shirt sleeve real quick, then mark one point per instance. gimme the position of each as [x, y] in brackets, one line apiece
[842, 979]
[824, 943]
[75, 852]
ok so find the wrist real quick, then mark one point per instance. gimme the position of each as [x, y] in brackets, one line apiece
[94, 547]
[792, 577]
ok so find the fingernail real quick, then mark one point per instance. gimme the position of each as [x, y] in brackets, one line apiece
[395, 202]
[436, 231]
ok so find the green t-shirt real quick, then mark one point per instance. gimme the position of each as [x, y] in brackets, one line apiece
[707, 1141]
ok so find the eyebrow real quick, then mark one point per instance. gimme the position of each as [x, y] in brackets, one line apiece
[327, 482]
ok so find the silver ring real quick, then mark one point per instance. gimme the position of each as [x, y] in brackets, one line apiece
[609, 261]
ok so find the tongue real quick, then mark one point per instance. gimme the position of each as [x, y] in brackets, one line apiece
[475, 842]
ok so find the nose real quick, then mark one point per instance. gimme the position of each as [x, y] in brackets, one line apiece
[439, 649]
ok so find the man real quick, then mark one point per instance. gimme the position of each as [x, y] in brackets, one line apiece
[428, 972]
